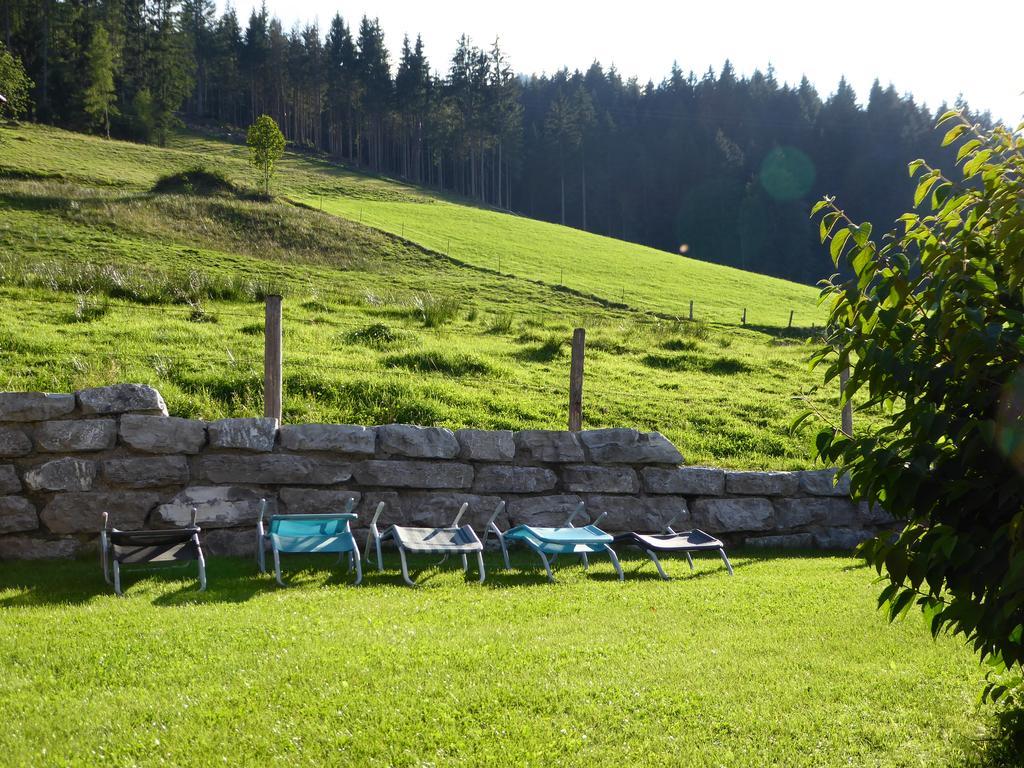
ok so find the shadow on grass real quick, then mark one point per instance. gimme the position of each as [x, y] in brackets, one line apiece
[32, 584]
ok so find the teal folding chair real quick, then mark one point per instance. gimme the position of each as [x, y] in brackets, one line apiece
[550, 542]
[308, 534]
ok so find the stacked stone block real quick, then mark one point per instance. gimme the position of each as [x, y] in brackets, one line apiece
[66, 459]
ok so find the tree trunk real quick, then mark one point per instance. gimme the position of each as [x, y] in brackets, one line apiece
[583, 185]
[561, 176]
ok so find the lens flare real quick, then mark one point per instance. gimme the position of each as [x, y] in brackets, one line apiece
[1010, 425]
[787, 174]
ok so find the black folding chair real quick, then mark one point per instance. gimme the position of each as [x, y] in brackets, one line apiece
[673, 542]
[178, 545]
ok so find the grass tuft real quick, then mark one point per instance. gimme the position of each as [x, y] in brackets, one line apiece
[438, 361]
[550, 348]
[435, 311]
[89, 308]
[375, 336]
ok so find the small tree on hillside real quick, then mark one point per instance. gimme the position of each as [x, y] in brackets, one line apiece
[266, 147]
[932, 324]
[99, 95]
[14, 86]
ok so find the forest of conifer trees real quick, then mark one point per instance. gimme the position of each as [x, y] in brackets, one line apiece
[724, 164]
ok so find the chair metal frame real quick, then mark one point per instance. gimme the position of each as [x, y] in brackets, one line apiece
[553, 541]
[393, 532]
[112, 567]
[262, 537]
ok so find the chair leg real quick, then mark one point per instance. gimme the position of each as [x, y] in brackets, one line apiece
[359, 566]
[380, 554]
[261, 552]
[117, 578]
[480, 566]
[586, 560]
[104, 559]
[202, 571]
[543, 559]
[465, 564]
[615, 561]
[405, 567]
[728, 565]
[504, 552]
[657, 564]
[547, 566]
[277, 567]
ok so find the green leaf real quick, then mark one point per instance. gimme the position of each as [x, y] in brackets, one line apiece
[838, 241]
[923, 186]
[953, 134]
[901, 604]
[967, 148]
[862, 233]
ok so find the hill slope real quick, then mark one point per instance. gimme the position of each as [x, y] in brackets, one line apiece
[103, 279]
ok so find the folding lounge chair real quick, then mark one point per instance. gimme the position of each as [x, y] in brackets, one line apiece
[673, 542]
[309, 534]
[119, 548]
[451, 540]
[562, 540]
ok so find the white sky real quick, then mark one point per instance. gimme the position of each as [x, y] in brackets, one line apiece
[926, 47]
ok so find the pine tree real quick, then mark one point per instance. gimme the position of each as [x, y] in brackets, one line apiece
[169, 69]
[98, 100]
[198, 26]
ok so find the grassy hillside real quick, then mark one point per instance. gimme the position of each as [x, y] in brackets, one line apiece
[103, 279]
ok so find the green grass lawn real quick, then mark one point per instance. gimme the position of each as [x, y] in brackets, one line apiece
[82, 238]
[787, 664]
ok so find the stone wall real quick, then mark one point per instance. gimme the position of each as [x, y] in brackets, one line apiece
[67, 458]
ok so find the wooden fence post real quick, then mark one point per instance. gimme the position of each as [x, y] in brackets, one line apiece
[791, 318]
[576, 381]
[744, 321]
[272, 359]
[844, 376]
[691, 309]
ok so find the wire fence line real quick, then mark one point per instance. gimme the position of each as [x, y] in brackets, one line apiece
[442, 244]
[383, 312]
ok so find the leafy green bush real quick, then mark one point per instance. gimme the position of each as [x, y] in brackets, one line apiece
[15, 86]
[931, 324]
[194, 181]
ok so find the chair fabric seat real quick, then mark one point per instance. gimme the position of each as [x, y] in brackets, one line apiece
[155, 553]
[159, 546]
[684, 541]
[312, 533]
[562, 541]
[439, 541]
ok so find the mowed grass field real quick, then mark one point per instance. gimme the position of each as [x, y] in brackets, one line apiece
[104, 280]
[788, 663]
